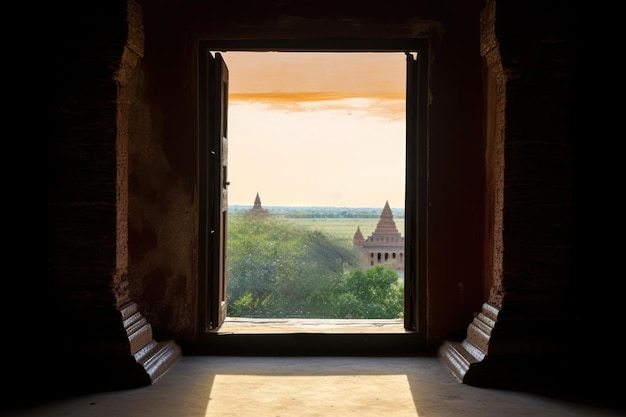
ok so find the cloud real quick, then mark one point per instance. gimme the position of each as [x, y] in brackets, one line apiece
[389, 106]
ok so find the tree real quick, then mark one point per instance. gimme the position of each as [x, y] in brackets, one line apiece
[276, 269]
[375, 293]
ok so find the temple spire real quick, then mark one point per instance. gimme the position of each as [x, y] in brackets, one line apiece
[358, 239]
[257, 209]
[386, 225]
[257, 202]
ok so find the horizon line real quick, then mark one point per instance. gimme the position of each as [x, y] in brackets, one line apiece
[307, 206]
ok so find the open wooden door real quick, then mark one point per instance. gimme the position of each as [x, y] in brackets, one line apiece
[217, 171]
[410, 204]
[416, 191]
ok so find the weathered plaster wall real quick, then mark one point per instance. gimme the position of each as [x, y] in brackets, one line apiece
[495, 104]
[163, 179]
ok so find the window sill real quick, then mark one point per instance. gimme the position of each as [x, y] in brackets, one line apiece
[239, 325]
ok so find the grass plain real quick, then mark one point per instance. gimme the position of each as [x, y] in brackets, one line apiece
[343, 229]
[337, 222]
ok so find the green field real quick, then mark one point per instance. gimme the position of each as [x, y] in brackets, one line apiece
[340, 222]
[343, 228]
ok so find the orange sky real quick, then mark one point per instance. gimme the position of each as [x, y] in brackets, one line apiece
[316, 129]
[288, 72]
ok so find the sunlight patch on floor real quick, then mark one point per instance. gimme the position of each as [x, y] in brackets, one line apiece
[311, 395]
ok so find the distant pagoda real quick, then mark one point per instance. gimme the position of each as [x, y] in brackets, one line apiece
[386, 244]
[257, 209]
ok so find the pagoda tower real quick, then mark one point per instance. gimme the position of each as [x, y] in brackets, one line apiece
[257, 209]
[385, 245]
[358, 239]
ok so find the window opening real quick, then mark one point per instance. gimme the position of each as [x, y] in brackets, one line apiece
[321, 137]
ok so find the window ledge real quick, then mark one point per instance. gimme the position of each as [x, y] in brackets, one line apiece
[239, 325]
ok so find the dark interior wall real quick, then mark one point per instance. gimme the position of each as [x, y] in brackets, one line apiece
[532, 338]
[163, 221]
[163, 166]
[538, 60]
[78, 331]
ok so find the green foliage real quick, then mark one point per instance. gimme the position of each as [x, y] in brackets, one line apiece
[373, 293]
[276, 269]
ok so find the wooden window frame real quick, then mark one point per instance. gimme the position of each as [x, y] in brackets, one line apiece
[416, 51]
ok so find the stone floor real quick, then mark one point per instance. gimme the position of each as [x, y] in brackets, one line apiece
[247, 386]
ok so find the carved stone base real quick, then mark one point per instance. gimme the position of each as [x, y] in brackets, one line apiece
[158, 358]
[517, 355]
[155, 357]
[459, 357]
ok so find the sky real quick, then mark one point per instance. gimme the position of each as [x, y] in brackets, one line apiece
[316, 129]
